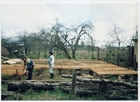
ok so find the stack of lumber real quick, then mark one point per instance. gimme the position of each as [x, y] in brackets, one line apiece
[11, 69]
[99, 67]
[11, 61]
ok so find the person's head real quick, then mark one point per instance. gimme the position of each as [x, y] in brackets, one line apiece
[50, 53]
[23, 58]
[23, 47]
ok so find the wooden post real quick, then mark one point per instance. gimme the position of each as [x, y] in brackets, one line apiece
[82, 55]
[102, 86]
[98, 53]
[39, 71]
[60, 72]
[119, 77]
[135, 66]
[94, 75]
[107, 56]
[73, 85]
[80, 71]
[118, 59]
[87, 55]
[17, 73]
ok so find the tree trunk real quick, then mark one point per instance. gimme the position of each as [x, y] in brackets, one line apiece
[26, 51]
[118, 57]
[88, 54]
[57, 53]
[107, 56]
[73, 54]
[67, 54]
[29, 52]
[98, 54]
[118, 54]
[39, 54]
[92, 55]
[45, 53]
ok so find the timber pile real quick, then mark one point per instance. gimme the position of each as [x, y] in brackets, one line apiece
[99, 67]
[84, 87]
[11, 61]
[6, 94]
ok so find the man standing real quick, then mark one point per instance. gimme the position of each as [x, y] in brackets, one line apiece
[30, 66]
[23, 52]
[51, 64]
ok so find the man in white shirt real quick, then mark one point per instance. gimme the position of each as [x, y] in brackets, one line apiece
[51, 64]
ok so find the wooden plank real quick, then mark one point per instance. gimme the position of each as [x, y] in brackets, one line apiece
[13, 72]
[116, 72]
[110, 69]
[94, 65]
[12, 61]
[8, 73]
[5, 58]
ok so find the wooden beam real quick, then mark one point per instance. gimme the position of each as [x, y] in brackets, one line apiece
[116, 72]
[99, 67]
[111, 69]
[5, 58]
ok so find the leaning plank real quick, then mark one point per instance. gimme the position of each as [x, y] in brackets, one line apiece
[6, 58]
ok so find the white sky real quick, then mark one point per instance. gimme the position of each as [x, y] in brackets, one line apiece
[29, 17]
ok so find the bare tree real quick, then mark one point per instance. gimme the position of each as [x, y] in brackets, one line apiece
[116, 32]
[35, 45]
[63, 37]
[4, 40]
[83, 29]
[109, 46]
[44, 39]
[59, 35]
[23, 38]
[93, 42]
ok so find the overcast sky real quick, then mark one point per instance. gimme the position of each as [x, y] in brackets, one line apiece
[29, 17]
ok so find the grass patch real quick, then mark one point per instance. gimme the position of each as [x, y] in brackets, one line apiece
[32, 94]
[50, 95]
[3, 87]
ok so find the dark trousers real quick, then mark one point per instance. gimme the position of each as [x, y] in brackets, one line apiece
[30, 72]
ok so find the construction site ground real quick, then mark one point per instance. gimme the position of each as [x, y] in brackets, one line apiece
[41, 72]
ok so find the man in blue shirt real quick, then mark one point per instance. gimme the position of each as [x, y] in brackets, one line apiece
[30, 66]
[51, 64]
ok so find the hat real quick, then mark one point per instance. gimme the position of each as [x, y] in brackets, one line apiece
[51, 53]
[23, 57]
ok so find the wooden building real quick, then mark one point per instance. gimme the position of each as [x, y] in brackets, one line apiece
[135, 57]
